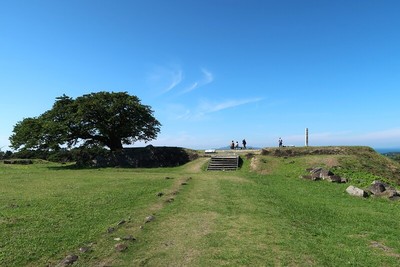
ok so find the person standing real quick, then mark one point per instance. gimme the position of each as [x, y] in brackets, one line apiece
[244, 143]
[232, 145]
[280, 142]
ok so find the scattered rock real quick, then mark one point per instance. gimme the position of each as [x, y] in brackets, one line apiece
[18, 161]
[320, 173]
[110, 230]
[380, 189]
[167, 178]
[121, 222]
[184, 183]
[128, 238]
[160, 194]
[377, 188]
[149, 219]
[120, 247]
[355, 191]
[69, 260]
[84, 249]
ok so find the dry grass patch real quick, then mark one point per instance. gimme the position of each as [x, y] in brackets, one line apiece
[322, 161]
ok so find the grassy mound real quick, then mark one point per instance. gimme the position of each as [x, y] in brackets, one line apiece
[362, 164]
[260, 215]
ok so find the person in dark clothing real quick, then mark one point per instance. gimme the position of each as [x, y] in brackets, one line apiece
[244, 143]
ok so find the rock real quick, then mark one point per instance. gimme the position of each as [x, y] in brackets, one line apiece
[320, 172]
[325, 174]
[149, 219]
[121, 222]
[120, 247]
[110, 230]
[334, 178]
[355, 191]
[310, 177]
[377, 188]
[84, 249]
[315, 176]
[307, 177]
[395, 198]
[160, 194]
[69, 260]
[391, 192]
[128, 238]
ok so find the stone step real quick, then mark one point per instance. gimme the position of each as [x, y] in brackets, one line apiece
[223, 163]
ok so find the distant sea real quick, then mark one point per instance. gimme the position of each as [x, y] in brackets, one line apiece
[387, 150]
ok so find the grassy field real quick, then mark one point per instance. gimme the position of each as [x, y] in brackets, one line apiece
[260, 215]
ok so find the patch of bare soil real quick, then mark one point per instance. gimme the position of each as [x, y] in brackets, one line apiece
[259, 165]
[195, 165]
[387, 250]
[328, 162]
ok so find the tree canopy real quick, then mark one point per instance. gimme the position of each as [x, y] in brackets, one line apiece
[103, 118]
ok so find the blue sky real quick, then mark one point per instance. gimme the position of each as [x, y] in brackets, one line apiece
[213, 71]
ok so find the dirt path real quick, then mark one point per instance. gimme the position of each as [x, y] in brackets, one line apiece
[196, 165]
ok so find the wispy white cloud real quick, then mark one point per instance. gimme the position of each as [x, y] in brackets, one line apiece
[207, 78]
[209, 107]
[191, 87]
[176, 78]
[164, 79]
[204, 108]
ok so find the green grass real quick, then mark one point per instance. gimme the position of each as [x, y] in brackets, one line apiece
[261, 215]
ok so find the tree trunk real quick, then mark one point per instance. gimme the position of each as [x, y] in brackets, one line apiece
[115, 144]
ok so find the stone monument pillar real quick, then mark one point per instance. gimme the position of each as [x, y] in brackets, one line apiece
[306, 137]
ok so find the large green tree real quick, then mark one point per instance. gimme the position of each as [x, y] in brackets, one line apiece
[106, 119]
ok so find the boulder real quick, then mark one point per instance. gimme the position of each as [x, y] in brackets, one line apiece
[355, 191]
[325, 174]
[320, 173]
[69, 260]
[334, 179]
[377, 188]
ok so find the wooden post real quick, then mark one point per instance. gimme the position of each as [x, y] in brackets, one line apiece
[306, 141]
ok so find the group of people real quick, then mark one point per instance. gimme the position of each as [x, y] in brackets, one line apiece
[236, 145]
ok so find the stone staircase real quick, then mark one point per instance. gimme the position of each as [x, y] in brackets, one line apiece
[223, 163]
